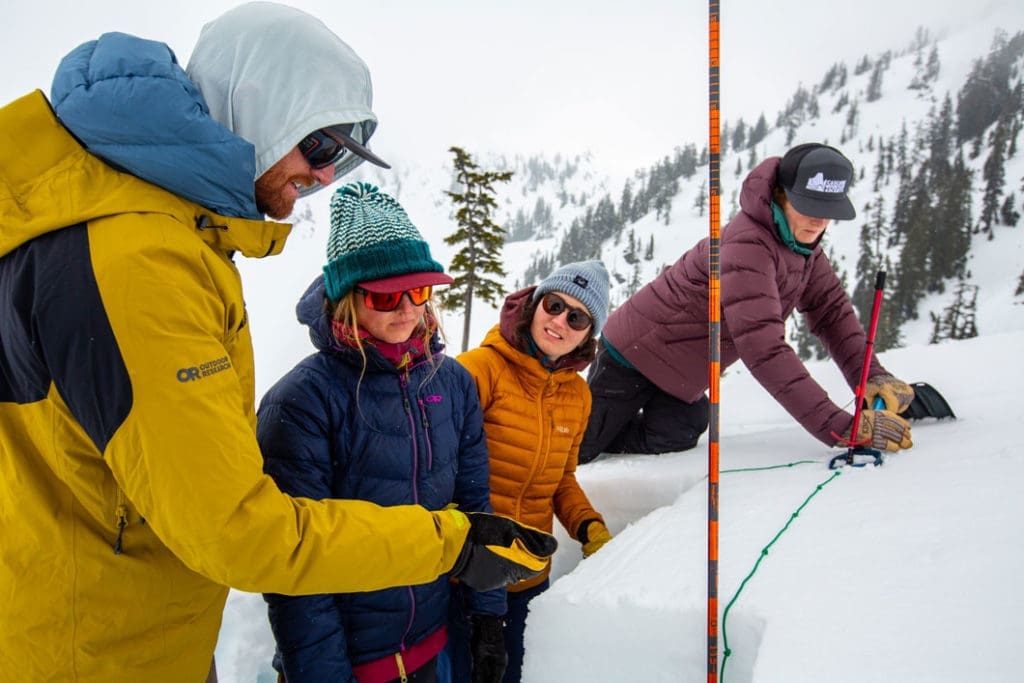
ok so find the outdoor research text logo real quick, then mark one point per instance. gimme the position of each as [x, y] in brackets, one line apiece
[211, 367]
[819, 183]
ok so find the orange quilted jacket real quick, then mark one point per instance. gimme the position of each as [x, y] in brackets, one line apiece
[534, 421]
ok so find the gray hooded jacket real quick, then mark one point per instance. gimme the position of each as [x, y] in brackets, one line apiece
[237, 65]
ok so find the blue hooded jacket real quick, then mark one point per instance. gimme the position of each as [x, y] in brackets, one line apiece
[128, 102]
[330, 428]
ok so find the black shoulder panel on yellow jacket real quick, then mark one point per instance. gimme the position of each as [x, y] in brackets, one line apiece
[56, 330]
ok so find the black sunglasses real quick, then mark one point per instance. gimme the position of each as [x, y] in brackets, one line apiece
[577, 318]
[322, 149]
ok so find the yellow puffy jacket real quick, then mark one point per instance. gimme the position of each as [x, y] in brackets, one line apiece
[534, 421]
[132, 493]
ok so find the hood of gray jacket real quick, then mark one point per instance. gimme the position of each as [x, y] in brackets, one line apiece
[273, 74]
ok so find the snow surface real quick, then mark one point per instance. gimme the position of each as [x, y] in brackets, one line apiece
[904, 572]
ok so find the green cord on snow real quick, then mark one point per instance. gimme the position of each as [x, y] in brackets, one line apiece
[764, 553]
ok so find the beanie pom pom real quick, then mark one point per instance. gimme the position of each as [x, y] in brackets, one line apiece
[360, 190]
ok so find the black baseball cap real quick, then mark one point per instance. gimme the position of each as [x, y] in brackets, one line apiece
[816, 179]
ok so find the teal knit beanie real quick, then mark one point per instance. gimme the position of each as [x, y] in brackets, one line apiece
[372, 238]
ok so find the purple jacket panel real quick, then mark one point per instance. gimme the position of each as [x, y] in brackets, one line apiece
[662, 330]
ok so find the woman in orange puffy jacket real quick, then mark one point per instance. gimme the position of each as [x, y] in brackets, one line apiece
[536, 407]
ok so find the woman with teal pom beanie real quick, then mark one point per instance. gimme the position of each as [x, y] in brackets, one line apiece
[380, 414]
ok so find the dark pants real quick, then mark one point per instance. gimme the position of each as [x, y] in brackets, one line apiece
[632, 415]
[515, 628]
[457, 652]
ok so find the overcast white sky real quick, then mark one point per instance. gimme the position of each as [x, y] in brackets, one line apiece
[625, 80]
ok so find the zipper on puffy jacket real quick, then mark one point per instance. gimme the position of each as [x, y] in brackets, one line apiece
[121, 516]
[403, 381]
[426, 435]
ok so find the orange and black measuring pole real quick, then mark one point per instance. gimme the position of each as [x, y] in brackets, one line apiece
[714, 328]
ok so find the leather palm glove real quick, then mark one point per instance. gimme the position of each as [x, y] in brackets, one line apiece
[593, 535]
[883, 430]
[499, 551]
[896, 393]
[487, 647]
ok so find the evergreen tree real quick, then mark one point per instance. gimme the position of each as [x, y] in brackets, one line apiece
[880, 174]
[889, 333]
[476, 267]
[958, 320]
[932, 66]
[813, 109]
[852, 121]
[874, 235]
[951, 234]
[901, 211]
[739, 136]
[950, 201]
[629, 256]
[994, 175]
[1008, 214]
[874, 91]
[635, 281]
[835, 78]
[841, 102]
[700, 201]
[539, 268]
[626, 204]
[759, 131]
[912, 273]
[986, 94]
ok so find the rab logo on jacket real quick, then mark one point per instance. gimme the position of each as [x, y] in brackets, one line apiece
[211, 367]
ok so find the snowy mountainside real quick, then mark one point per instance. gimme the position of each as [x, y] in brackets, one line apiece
[567, 188]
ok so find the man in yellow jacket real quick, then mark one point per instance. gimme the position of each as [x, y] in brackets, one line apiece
[131, 486]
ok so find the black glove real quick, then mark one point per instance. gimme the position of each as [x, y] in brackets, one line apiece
[488, 649]
[499, 551]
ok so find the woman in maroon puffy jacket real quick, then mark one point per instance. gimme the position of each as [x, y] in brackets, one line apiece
[649, 379]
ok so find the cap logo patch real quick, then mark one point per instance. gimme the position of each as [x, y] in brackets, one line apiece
[819, 183]
[581, 281]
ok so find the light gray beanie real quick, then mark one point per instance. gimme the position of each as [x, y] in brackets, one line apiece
[584, 280]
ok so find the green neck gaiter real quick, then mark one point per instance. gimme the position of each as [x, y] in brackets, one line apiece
[786, 234]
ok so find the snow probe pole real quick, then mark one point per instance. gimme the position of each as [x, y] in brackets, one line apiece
[855, 449]
[714, 334]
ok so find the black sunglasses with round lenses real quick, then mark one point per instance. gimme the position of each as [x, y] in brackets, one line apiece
[386, 302]
[322, 149]
[577, 318]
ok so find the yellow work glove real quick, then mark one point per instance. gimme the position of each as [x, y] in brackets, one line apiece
[883, 430]
[595, 534]
[896, 393]
[499, 551]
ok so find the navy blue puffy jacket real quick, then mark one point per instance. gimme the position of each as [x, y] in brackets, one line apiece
[327, 429]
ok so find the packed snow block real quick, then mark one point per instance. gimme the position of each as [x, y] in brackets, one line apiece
[625, 489]
[584, 628]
